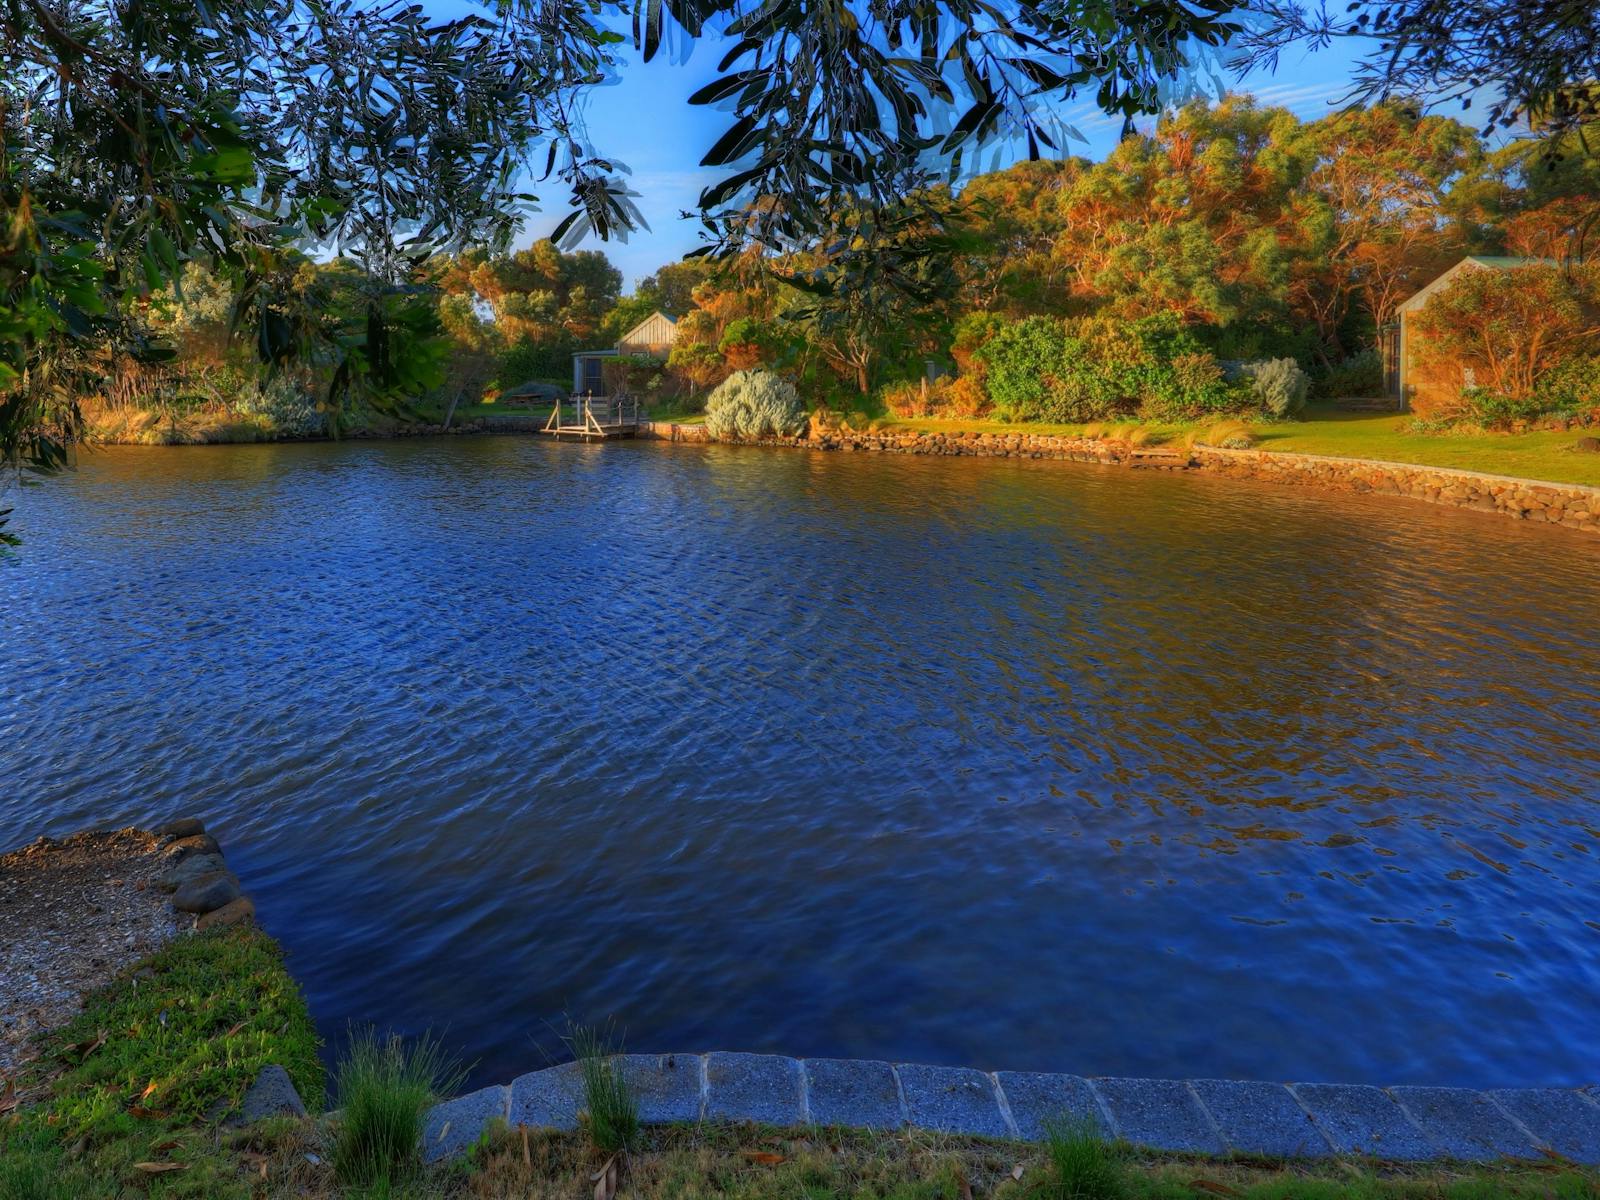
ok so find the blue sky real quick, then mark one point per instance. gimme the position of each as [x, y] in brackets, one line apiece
[644, 120]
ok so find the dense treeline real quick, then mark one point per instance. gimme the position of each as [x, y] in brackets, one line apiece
[1232, 234]
[1235, 259]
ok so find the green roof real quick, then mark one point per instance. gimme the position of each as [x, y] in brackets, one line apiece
[1495, 262]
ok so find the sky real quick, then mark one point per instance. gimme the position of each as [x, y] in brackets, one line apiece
[644, 120]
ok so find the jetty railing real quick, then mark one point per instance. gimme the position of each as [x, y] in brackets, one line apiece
[589, 415]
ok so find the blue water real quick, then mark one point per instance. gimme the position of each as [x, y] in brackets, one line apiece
[1017, 765]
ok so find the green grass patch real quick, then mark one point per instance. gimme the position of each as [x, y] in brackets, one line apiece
[492, 412]
[676, 414]
[142, 1074]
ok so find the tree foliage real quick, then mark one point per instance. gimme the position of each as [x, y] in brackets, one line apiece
[1520, 61]
[1509, 328]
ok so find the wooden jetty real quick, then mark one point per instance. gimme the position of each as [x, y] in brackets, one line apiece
[594, 417]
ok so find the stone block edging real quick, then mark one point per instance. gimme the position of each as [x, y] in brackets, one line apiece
[1574, 506]
[1198, 1116]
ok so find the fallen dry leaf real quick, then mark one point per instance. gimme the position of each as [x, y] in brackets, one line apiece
[527, 1158]
[141, 1113]
[1016, 1171]
[88, 1048]
[235, 1029]
[606, 1180]
[765, 1157]
[165, 1146]
[154, 1168]
[1215, 1188]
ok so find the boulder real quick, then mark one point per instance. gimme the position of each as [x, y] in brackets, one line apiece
[191, 868]
[1587, 445]
[184, 847]
[234, 912]
[183, 827]
[206, 892]
[273, 1094]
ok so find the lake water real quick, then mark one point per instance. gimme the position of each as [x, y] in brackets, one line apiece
[1008, 764]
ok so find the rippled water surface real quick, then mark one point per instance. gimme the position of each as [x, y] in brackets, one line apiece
[1004, 764]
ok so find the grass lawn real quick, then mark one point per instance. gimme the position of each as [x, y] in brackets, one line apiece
[751, 1163]
[1542, 455]
[120, 1103]
[676, 416]
[478, 412]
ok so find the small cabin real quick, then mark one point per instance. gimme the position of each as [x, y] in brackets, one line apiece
[1404, 378]
[652, 337]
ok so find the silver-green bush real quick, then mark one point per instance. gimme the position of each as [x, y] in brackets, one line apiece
[754, 404]
[290, 409]
[1279, 386]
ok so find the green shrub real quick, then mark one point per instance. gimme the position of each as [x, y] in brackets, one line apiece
[748, 342]
[1097, 368]
[1493, 410]
[1361, 374]
[285, 405]
[1036, 372]
[972, 333]
[1192, 384]
[1572, 386]
[1278, 385]
[754, 404]
[384, 1088]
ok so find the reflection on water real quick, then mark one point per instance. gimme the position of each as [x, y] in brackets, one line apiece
[1008, 764]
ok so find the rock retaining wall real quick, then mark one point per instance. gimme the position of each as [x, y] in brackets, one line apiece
[198, 878]
[1202, 1116]
[1571, 505]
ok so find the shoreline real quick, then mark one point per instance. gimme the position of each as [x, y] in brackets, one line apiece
[1191, 1117]
[77, 912]
[1569, 505]
[1288, 1121]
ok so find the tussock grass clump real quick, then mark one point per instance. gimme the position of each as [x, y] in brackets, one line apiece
[612, 1108]
[384, 1087]
[1083, 1166]
[1227, 434]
